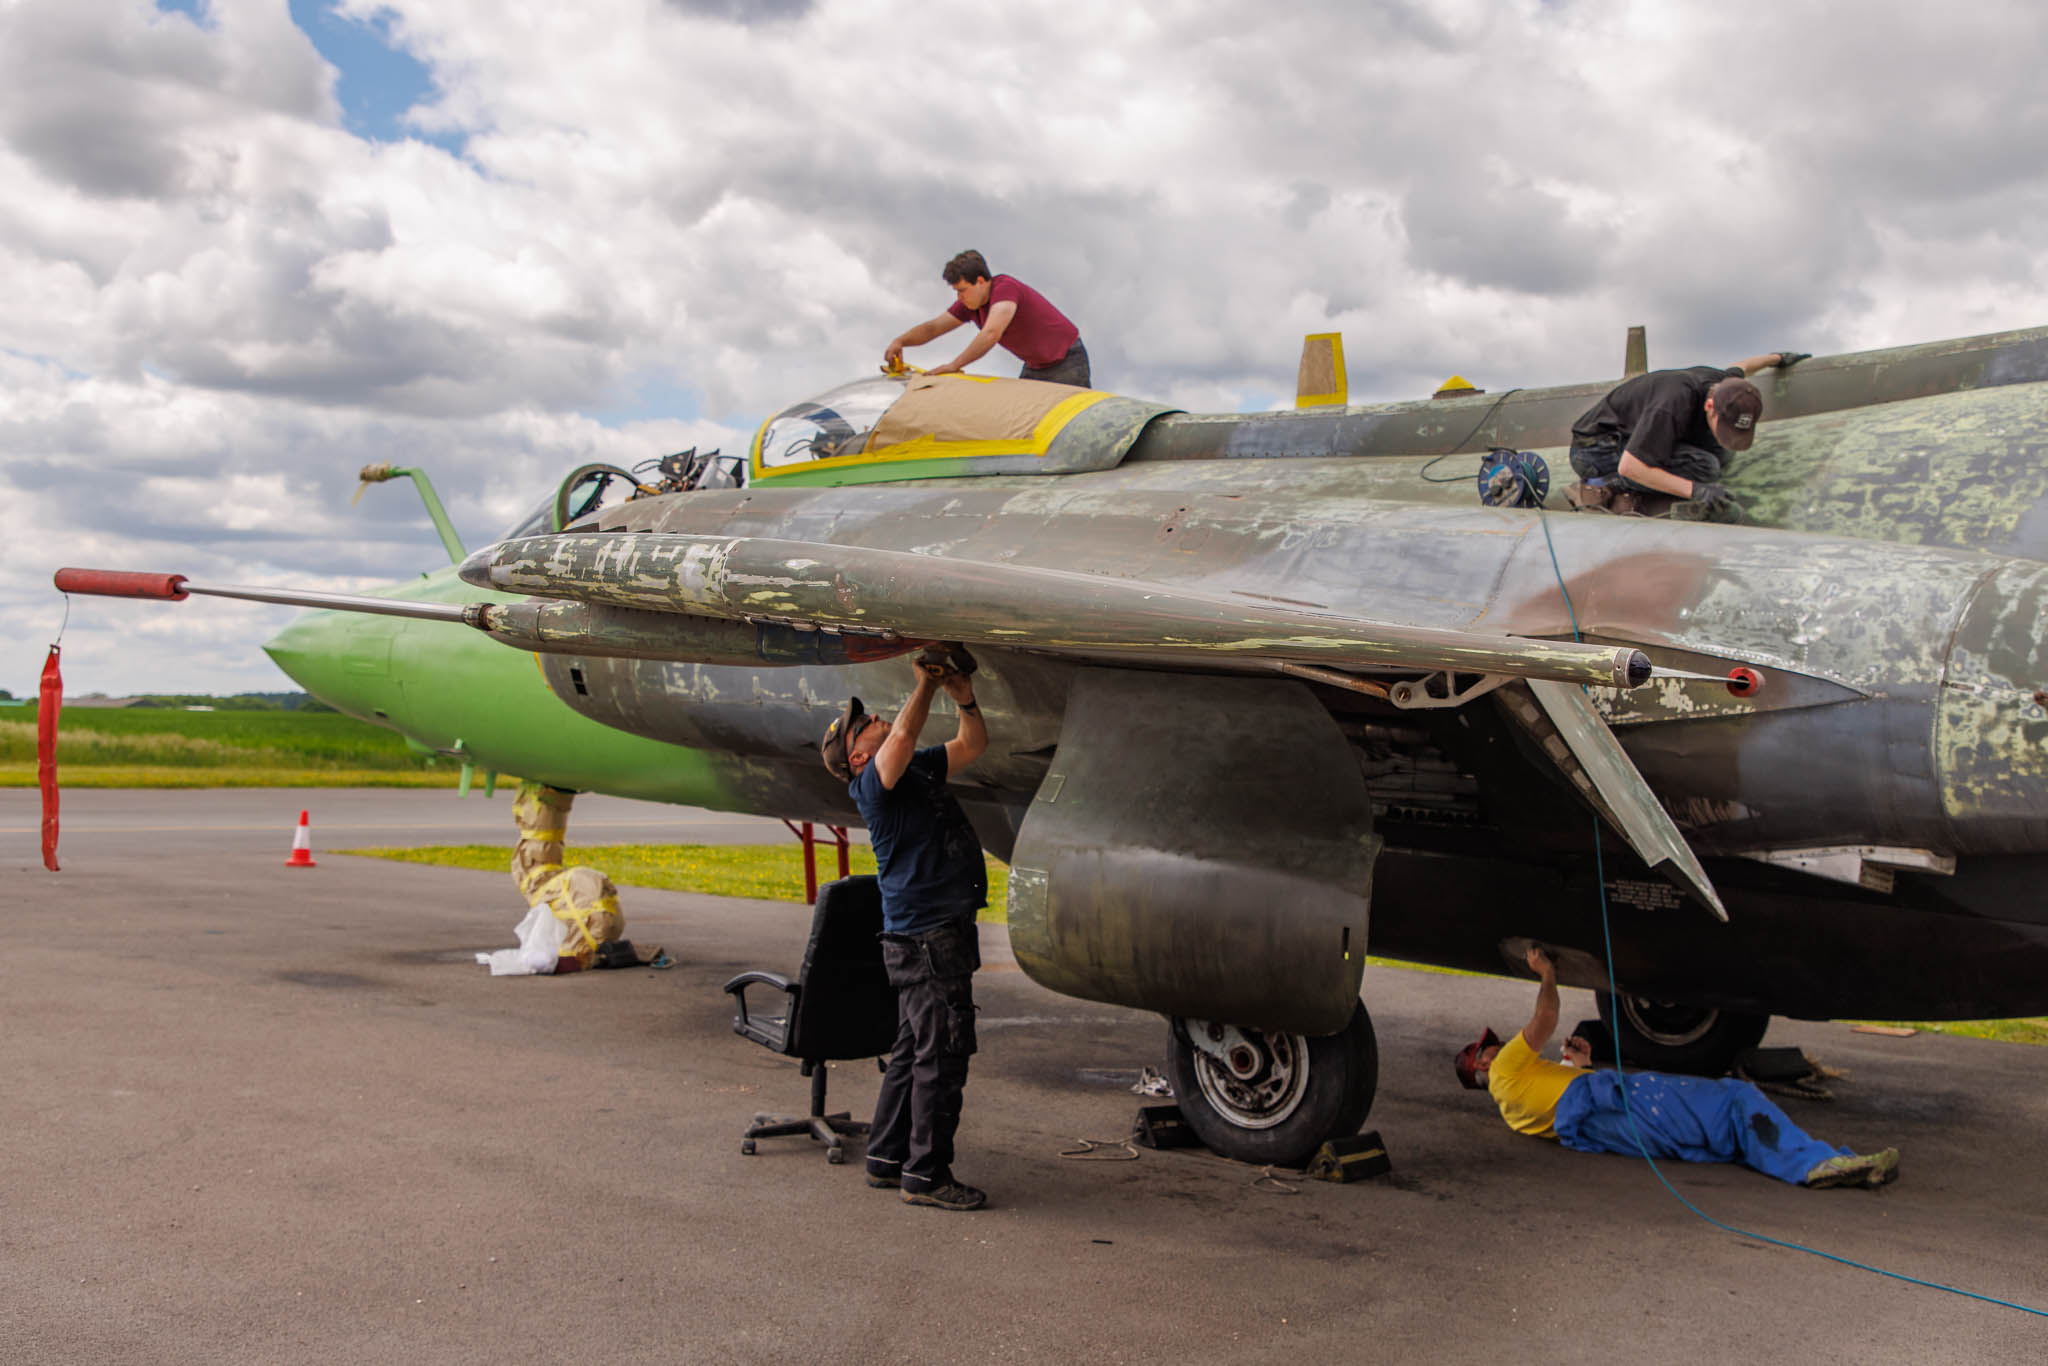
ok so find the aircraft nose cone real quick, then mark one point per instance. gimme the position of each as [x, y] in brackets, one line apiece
[1991, 719]
[476, 569]
[343, 660]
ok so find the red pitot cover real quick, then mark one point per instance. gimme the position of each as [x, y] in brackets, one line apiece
[50, 702]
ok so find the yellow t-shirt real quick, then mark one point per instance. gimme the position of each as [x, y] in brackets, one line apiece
[1527, 1087]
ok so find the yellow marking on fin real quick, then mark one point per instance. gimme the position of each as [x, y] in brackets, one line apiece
[1321, 381]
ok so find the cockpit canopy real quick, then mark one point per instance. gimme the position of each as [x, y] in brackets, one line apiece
[591, 489]
[890, 427]
[835, 424]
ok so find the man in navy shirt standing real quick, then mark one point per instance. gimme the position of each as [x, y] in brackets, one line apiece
[933, 880]
[1009, 313]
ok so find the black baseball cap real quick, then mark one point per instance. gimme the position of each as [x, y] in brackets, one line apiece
[1737, 406]
[839, 735]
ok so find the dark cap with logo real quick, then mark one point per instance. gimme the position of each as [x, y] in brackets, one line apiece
[839, 735]
[1737, 406]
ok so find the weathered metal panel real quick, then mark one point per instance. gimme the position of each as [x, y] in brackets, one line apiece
[1962, 469]
[1991, 728]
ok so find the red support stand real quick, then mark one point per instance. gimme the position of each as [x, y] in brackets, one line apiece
[805, 832]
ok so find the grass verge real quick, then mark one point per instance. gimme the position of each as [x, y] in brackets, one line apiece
[2025, 1030]
[230, 775]
[764, 872]
[171, 747]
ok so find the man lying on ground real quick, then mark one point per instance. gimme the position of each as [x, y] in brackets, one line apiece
[1692, 1119]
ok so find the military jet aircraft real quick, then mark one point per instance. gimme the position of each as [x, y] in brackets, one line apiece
[1262, 696]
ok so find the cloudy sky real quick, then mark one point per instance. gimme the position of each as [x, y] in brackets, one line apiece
[249, 246]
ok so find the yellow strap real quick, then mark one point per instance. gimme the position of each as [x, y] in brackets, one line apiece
[544, 836]
[581, 918]
[534, 885]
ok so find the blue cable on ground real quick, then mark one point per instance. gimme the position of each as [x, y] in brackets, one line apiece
[1607, 950]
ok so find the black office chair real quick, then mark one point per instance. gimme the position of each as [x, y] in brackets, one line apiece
[840, 1006]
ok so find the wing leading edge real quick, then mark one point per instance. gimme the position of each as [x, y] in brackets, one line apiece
[896, 594]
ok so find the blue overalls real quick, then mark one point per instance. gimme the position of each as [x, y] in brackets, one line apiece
[1692, 1119]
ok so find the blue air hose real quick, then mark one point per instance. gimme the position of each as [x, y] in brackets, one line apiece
[1607, 949]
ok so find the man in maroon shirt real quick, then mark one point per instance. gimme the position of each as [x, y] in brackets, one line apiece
[1009, 312]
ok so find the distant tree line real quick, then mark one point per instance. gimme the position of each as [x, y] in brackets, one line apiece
[241, 701]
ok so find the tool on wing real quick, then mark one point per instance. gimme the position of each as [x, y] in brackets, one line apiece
[945, 656]
[1513, 479]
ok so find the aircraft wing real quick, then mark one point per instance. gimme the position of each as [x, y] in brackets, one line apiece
[743, 600]
[900, 595]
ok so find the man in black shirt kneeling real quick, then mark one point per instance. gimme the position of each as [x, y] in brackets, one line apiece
[1667, 433]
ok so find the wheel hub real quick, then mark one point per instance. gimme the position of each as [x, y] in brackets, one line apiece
[1668, 1023]
[1252, 1079]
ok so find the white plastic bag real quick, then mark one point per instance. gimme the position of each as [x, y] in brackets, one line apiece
[541, 936]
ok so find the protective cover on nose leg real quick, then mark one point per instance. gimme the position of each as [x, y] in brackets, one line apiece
[1200, 847]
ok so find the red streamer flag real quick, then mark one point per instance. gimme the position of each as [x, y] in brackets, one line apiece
[48, 703]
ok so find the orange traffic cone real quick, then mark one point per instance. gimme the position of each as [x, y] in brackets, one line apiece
[302, 845]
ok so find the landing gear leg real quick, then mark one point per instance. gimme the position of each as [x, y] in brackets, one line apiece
[1272, 1098]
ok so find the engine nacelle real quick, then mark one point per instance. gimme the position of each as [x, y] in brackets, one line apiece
[1201, 847]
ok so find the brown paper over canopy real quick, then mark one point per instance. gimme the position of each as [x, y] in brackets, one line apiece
[958, 408]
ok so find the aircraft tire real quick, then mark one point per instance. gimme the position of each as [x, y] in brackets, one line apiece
[1273, 1108]
[1676, 1038]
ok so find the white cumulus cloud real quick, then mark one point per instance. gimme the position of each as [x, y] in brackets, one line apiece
[221, 301]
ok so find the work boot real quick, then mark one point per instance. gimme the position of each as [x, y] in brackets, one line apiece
[952, 1195]
[1635, 503]
[884, 1183]
[1884, 1168]
[1586, 497]
[1850, 1169]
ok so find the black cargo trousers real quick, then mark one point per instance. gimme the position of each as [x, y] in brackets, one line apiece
[917, 1111]
[1602, 460]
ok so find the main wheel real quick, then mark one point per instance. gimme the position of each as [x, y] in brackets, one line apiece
[1276, 1098]
[1674, 1037]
